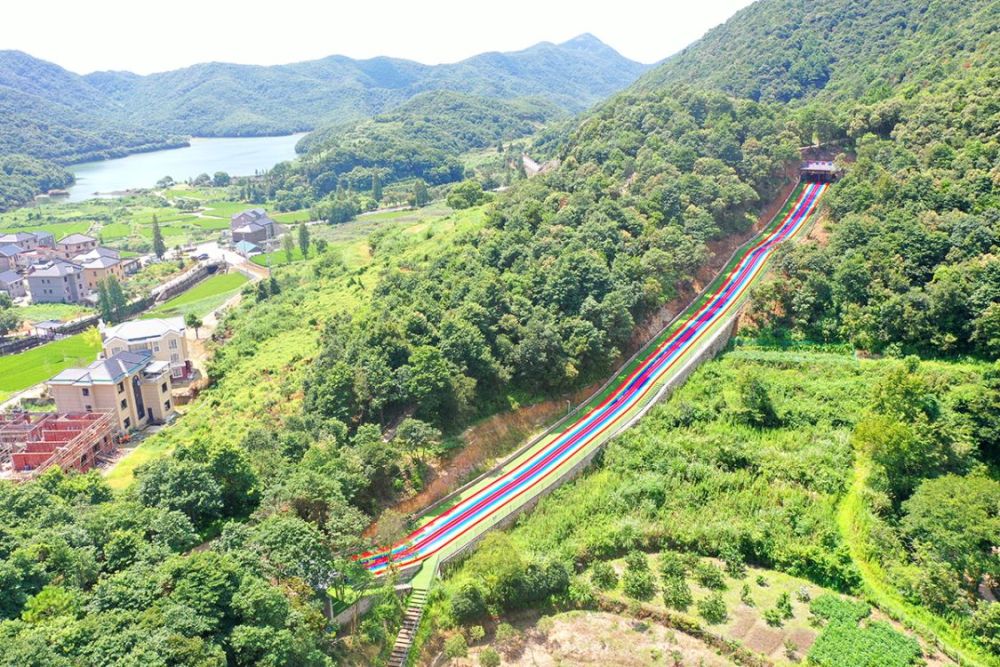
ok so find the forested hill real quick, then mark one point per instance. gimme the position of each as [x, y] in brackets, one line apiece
[788, 49]
[225, 99]
[51, 113]
[54, 115]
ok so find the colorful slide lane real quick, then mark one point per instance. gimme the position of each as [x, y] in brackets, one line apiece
[484, 504]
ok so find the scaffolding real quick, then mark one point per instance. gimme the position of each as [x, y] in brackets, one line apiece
[30, 443]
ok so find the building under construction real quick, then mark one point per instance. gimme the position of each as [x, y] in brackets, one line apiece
[33, 442]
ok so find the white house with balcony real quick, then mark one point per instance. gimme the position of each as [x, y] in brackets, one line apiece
[163, 338]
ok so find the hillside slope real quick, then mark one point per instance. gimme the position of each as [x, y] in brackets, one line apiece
[789, 49]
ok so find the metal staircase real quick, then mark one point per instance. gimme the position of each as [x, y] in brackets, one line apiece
[411, 621]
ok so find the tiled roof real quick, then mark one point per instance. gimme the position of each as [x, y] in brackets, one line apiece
[105, 371]
[135, 330]
[76, 238]
[10, 250]
[8, 277]
[57, 269]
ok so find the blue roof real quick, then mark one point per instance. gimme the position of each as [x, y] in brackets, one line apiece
[246, 246]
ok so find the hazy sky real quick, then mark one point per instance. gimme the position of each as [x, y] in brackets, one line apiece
[145, 36]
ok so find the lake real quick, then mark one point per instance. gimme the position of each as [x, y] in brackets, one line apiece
[237, 157]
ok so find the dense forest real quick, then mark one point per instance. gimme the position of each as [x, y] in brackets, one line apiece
[544, 298]
[22, 177]
[423, 140]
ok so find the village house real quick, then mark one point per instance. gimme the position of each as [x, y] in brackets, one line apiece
[12, 283]
[57, 282]
[253, 226]
[132, 386]
[163, 338]
[98, 265]
[70, 246]
[27, 241]
[11, 257]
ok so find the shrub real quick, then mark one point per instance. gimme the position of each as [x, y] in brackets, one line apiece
[476, 634]
[736, 566]
[672, 565]
[833, 608]
[709, 576]
[456, 646]
[677, 594]
[489, 658]
[467, 603]
[638, 584]
[774, 617]
[603, 576]
[713, 608]
[784, 605]
[581, 592]
[745, 596]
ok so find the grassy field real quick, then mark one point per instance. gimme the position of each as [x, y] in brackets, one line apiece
[20, 371]
[64, 312]
[203, 298]
[277, 258]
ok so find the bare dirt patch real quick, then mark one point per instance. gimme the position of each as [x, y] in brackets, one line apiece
[599, 638]
[762, 639]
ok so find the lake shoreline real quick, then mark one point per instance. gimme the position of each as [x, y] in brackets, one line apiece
[236, 156]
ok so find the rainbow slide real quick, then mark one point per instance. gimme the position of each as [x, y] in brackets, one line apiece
[528, 474]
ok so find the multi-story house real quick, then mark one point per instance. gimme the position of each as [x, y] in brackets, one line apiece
[57, 282]
[70, 246]
[132, 386]
[252, 225]
[163, 338]
[98, 265]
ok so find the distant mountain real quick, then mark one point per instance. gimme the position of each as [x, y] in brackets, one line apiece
[233, 100]
[55, 115]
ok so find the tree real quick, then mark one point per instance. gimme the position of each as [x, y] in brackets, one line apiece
[104, 302]
[376, 187]
[220, 179]
[756, 407]
[956, 518]
[262, 292]
[416, 435]
[9, 318]
[116, 295]
[466, 194]
[185, 486]
[159, 246]
[304, 239]
[193, 321]
[288, 245]
[421, 196]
